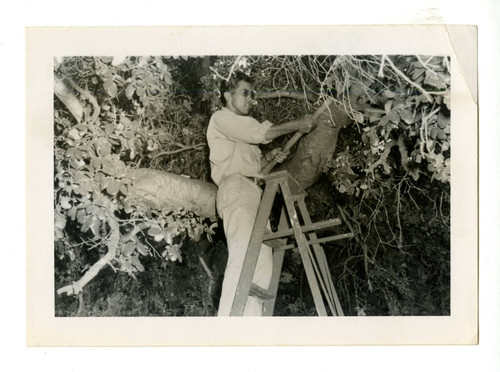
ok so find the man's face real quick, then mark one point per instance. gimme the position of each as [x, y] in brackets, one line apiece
[240, 100]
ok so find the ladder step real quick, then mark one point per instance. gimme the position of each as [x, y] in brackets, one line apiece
[260, 292]
[317, 241]
[295, 188]
[276, 243]
[305, 228]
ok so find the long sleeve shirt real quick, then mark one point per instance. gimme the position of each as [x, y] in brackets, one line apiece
[233, 141]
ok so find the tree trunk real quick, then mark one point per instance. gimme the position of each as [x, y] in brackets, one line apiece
[168, 191]
[316, 149]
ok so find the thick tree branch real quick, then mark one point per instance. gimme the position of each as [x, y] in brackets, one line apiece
[90, 97]
[292, 94]
[68, 98]
[269, 166]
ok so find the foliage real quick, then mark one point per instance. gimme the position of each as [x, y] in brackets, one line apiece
[133, 111]
[390, 172]
[388, 179]
[181, 289]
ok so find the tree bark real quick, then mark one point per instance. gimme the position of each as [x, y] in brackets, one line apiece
[168, 191]
[316, 149]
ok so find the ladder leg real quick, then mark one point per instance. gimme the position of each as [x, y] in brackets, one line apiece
[303, 249]
[278, 257]
[253, 250]
[327, 282]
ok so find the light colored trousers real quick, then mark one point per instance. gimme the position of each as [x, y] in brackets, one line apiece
[238, 200]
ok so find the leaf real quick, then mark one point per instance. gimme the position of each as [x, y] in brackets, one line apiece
[168, 78]
[125, 120]
[118, 60]
[95, 226]
[110, 87]
[406, 115]
[140, 92]
[71, 255]
[155, 230]
[92, 209]
[109, 129]
[129, 91]
[124, 189]
[417, 73]
[74, 134]
[104, 183]
[393, 116]
[168, 238]
[136, 263]
[103, 147]
[142, 249]
[113, 187]
[70, 152]
[446, 100]
[64, 202]
[129, 248]
[434, 79]
[158, 238]
[358, 117]
[387, 106]
[60, 221]
[439, 159]
[443, 121]
[441, 134]
[101, 214]
[414, 174]
[71, 213]
[108, 168]
[389, 94]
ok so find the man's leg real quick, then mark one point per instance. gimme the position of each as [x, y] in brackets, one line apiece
[238, 208]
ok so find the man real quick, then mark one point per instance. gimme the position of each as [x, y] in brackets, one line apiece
[235, 158]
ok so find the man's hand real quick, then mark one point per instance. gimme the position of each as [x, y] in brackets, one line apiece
[277, 155]
[305, 124]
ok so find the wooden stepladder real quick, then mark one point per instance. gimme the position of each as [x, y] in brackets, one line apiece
[302, 231]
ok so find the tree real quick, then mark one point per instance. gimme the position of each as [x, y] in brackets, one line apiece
[132, 174]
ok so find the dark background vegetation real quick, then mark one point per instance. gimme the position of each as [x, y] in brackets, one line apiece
[153, 113]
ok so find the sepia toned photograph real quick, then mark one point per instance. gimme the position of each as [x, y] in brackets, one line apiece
[141, 144]
[263, 187]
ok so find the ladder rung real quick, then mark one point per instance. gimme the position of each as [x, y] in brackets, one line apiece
[305, 228]
[260, 292]
[276, 243]
[295, 188]
[318, 241]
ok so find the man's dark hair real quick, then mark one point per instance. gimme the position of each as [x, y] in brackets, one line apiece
[228, 86]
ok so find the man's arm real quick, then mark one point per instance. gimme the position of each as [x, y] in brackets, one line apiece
[303, 125]
[274, 155]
